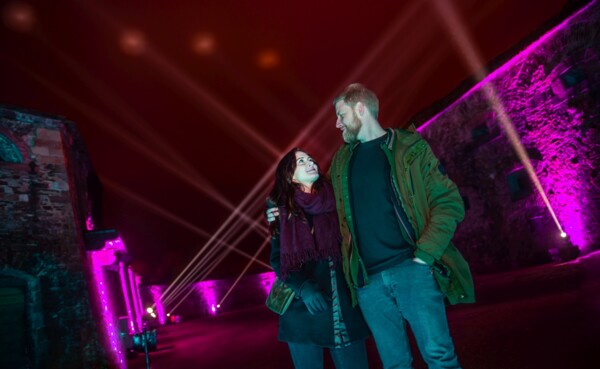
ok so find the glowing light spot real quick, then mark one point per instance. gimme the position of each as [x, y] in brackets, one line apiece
[133, 42]
[207, 293]
[156, 292]
[106, 257]
[563, 234]
[19, 16]
[150, 310]
[204, 44]
[218, 306]
[268, 59]
[89, 223]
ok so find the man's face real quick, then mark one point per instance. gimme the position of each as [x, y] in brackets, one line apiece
[347, 122]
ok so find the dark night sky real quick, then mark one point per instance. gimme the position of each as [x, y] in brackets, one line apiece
[169, 116]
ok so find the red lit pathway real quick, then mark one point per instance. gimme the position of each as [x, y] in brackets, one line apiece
[543, 317]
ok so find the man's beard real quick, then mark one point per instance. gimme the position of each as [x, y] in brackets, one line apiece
[350, 134]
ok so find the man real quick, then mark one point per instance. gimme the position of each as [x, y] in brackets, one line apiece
[397, 213]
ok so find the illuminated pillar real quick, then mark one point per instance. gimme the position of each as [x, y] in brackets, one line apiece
[137, 300]
[99, 259]
[156, 292]
[128, 302]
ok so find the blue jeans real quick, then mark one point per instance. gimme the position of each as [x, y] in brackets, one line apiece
[407, 293]
[311, 357]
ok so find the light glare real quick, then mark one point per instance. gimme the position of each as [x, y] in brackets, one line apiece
[132, 42]
[19, 16]
[204, 44]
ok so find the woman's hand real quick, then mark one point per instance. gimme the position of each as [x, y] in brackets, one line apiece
[311, 295]
[272, 213]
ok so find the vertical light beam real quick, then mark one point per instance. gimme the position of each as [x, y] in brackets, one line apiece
[462, 40]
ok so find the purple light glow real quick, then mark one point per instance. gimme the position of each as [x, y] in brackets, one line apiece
[207, 292]
[125, 289]
[89, 223]
[156, 292]
[266, 281]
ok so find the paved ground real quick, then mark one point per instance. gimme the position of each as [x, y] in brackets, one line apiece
[543, 317]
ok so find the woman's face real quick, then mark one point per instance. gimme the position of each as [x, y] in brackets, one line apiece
[307, 171]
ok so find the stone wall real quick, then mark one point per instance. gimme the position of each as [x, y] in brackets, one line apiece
[249, 291]
[43, 206]
[550, 91]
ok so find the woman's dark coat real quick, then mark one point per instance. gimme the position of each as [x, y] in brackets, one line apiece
[297, 325]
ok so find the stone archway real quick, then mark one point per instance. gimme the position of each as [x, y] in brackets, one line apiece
[24, 344]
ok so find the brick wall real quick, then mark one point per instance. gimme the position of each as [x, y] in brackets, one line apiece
[43, 201]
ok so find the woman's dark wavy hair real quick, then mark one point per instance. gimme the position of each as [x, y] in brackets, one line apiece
[282, 193]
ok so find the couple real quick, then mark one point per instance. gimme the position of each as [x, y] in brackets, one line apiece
[394, 213]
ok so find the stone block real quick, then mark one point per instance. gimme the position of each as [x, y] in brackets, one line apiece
[48, 134]
[40, 150]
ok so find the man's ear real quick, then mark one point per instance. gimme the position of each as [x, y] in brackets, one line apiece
[360, 109]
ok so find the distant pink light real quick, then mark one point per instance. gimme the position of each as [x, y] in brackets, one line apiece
[207, 292]
[266, 281]
[156, 292]
[89, 223]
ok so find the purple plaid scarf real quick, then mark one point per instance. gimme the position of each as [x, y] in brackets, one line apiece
[299, 243]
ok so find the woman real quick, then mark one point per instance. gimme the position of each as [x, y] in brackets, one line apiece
[305, 253]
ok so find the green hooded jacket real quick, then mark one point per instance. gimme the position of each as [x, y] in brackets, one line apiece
[430, 200]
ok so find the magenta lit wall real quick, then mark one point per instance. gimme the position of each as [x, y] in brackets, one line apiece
[203, 298]
[551, 92]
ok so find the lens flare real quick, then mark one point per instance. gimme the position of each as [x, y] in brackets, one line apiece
[204, 44]
[268, 59]
[132, 42]
[19, 16]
